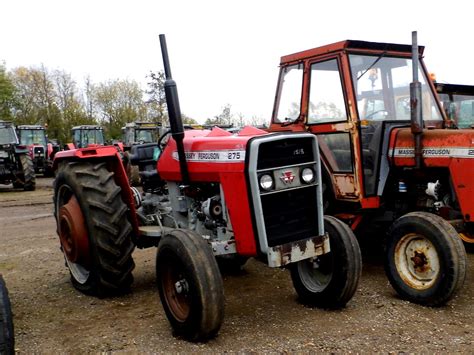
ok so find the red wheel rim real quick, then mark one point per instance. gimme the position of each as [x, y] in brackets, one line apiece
[73, 233]
[176, 291]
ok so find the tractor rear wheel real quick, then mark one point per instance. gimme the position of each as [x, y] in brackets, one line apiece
[93, 228]
[425, 259]
[190, 285]
[330, 280]
[7, 338]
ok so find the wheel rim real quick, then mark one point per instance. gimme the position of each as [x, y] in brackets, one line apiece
[417, 261]
[176, 290]
[73, 235]
[467, 237]
[316, 273]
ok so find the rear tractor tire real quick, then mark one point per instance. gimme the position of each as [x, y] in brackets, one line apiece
[425, 259]
[330, 280]
[93, 228]
[190, 285]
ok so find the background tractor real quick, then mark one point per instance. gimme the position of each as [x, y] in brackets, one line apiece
[16, 165]
[214, 195]
[41, 151]
[85, 135]
[137, 133]
[391, 165]
[458, 103]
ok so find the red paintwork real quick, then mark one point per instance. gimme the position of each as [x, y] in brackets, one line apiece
[461, 168]
[114, 162]
[231, 175]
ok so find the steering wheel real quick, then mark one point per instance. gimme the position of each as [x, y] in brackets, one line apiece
[163, 140]
[375, 112]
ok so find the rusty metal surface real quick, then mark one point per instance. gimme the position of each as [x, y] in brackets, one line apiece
[296, 251]
[73, 233]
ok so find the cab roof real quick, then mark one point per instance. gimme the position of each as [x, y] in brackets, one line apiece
[350, 45]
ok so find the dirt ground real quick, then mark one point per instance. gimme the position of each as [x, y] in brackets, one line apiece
[262, 312]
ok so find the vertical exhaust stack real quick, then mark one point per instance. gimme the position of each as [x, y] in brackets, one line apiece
[174, 111]
[415, 102]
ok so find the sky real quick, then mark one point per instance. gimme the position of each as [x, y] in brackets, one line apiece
[222, 52]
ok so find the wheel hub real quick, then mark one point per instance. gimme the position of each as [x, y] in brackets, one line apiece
[417, 261]
[73, 233]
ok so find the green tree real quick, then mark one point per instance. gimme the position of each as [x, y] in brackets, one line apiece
[156, 98]
[7, 91]
[118, 102]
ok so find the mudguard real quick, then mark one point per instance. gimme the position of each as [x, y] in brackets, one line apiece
[111, 156]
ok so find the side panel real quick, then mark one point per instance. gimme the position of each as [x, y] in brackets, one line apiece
[238, 206]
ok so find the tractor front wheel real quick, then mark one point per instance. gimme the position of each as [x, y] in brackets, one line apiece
[7, 339]
[190, 285]
[330, 280]
[93, 227]
[25, 177]
[425, 259]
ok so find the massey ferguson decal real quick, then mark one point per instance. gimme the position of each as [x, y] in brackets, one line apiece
[218, 156]
[438, 152]
[287, 177]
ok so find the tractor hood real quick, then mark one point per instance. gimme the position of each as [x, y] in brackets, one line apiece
[208, 154]
[439, 146]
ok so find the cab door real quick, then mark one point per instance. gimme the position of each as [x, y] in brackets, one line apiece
[330, 115]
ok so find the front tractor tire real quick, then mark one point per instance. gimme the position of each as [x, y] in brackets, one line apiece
[7, 337]
[93, 228]
[190, 285]
[425, 259]
[25, 177]
[330, 280]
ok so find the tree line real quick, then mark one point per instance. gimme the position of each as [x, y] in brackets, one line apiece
[52, 98]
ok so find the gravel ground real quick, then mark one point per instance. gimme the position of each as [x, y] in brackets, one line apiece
[262, 312]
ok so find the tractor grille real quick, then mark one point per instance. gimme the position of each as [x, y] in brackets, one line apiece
[290, 215]
[288, 211]
[285, 152]
[38, 151]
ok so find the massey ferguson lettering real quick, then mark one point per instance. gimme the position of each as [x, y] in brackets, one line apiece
[444, 152]
[220, 156]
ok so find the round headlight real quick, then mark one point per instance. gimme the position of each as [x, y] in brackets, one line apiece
[266, 182]
[307, 175]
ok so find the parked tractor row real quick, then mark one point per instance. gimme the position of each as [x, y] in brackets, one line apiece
[352, 147]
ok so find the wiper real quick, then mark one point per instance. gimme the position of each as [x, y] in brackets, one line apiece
[372, 65]
[289, 121]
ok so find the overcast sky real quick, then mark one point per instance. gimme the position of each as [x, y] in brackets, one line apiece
[223, 52]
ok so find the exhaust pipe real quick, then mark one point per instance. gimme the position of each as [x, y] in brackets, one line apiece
[174, 111]
[416, 113]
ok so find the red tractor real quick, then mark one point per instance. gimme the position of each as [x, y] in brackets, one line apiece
[85, 135]
[212, 195]
[391, 164]
[41, 151]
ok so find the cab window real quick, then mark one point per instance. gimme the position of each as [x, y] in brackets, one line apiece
[326, 96]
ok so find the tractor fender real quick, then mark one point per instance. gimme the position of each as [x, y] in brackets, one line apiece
[21, 149]
[111, 156]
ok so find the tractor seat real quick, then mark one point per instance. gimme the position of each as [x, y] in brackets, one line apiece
[142, 155]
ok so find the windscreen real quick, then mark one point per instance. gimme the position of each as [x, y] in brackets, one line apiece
[32, 136]
[7, 135]
[382, 85]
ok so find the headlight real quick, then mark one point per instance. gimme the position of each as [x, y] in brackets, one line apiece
[266, 182]
[307, 175]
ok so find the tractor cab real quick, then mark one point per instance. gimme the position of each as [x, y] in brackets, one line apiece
[458, 103]
[351, 94]
[86, 135]
[140, 133]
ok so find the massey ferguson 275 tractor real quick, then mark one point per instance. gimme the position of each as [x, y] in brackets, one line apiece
[211, 195]
[390, 162]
